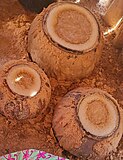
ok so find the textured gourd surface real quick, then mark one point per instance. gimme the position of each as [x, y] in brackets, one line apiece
[15, 85]
[70, 119]
[58, 62]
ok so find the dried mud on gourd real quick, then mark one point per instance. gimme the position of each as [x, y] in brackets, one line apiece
[88, 122]
[65, 41]
[25, 90]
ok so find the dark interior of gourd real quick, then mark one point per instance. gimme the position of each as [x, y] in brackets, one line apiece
[35, 5]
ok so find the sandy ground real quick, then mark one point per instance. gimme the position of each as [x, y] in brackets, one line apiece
[37, 133]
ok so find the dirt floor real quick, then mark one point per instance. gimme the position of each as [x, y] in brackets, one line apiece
[37, 133]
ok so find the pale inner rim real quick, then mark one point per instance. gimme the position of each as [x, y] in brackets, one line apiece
[24, 80]
[98, 115]
[90, 40]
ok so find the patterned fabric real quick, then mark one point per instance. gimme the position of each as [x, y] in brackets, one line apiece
[31, 154]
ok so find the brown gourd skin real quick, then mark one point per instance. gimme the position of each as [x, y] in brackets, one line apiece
[57, 61]
[19, 107]
[70, 133]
